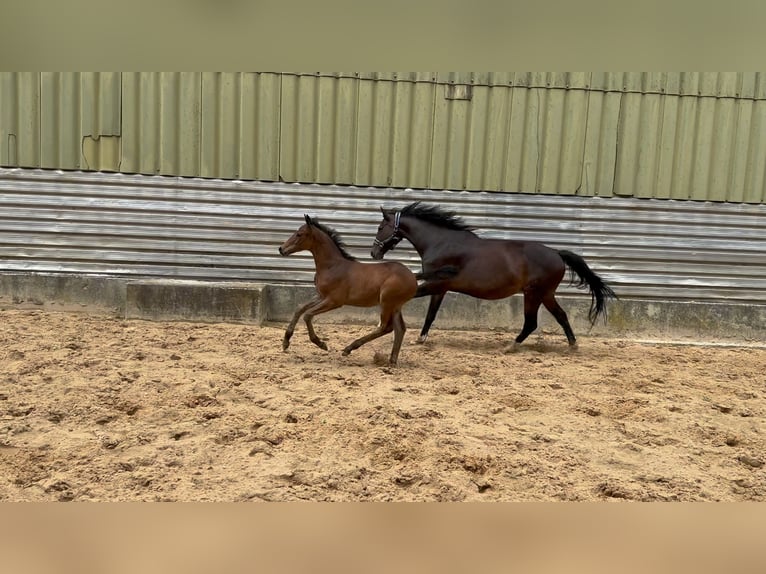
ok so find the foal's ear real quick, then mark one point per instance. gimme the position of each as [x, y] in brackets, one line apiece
[308, 219]
[386, 215]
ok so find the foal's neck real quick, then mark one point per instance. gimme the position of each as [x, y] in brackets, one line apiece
[325, 251]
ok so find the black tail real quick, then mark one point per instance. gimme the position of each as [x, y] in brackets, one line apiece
[600, 292]
[446, 272]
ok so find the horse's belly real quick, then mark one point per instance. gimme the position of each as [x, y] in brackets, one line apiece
[496, 284]
[480, 292]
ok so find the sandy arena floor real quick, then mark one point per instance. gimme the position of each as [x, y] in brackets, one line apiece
[97, 408]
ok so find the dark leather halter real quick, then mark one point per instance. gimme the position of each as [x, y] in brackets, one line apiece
[392, 240]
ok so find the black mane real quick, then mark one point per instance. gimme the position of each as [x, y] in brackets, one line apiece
[437, 216]
[335, 236]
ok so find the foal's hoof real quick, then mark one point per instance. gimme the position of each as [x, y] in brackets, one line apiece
[346, 352]
[285, 344]
[321, 344]
[573, 348]
[422, 339]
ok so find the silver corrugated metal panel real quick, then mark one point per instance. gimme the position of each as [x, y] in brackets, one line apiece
[156, 226]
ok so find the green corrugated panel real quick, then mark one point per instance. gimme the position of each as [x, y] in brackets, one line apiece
[646, 134]
[60, 120]
[260, 126]
[309, 132]
[393, 133]
[298, 159]
[754, 123]
[76, 110]
[376, 129]
[691, 148]
[20, 119]
[599, 162]
[180, 123]
[161, 123]
[561, 140]
[141, 122]
[522, 158]
[488, 141]
[221, 114]
[759, 91]
[240, 125]
[452, 127]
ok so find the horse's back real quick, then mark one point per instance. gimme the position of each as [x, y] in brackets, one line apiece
[492, 268]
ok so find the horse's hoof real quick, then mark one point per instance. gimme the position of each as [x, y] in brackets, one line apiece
[322, 345]
[285, 345]
[346, 352]
[512, 348]
[573, 348]
[422, 339]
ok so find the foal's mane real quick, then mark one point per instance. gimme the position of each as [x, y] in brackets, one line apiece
[334, 235]
[437, 216]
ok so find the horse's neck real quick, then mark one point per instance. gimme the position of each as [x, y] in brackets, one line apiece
[424, 235]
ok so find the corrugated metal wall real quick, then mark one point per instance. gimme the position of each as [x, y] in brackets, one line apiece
[678, 135]
[152, 226]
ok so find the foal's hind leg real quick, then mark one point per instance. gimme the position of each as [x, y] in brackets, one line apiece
[555, 309]
[386, 326]
[399, 330]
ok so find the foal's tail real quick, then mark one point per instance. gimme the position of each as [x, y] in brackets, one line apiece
[600, 292]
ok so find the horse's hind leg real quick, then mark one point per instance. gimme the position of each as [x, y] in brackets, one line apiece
[555, 309]
[399, 330]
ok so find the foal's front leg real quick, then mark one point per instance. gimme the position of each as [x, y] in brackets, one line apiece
[297, 315]
[321, 307]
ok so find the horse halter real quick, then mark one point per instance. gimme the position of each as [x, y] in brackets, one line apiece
[392, 240]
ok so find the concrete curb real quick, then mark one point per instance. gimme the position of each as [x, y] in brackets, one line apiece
[255, 303]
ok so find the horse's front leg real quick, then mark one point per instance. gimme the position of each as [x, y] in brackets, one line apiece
[433, 309]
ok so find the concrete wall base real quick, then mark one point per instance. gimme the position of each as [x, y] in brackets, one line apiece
[256, 303]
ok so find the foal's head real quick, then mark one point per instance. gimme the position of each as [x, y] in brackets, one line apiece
[301, 240]
[309, 235]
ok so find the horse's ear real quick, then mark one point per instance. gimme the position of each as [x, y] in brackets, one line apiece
[386, 215]
[308, 219]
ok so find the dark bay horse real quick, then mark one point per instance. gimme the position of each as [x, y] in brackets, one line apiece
[488, 268]
[341, 280]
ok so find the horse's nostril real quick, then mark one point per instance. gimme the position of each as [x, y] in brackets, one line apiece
[280, 250]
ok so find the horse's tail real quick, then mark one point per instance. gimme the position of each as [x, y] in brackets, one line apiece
[600, 292]
[445, 272]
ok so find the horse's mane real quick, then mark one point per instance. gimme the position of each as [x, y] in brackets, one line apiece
[335, 236]
[437, 216]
